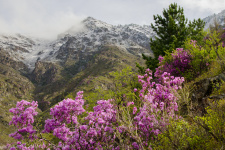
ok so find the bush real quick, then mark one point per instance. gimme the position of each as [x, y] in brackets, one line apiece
[177, 63]
[206, 132]
[195, 59]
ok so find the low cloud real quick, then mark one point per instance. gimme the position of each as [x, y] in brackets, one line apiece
[31, 18]
[48, 18]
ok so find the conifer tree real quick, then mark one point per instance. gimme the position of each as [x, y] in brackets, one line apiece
[172, 29]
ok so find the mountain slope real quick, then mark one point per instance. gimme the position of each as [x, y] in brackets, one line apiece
[48, 71]
[13, 87]
[108, 59]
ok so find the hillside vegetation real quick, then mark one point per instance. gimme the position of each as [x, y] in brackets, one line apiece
[105, 104]
[157, 113]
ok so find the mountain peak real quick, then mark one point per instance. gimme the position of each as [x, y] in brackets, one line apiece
[92, 23]
[89, 18]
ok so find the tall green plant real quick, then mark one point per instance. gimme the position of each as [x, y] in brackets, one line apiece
[172, 29]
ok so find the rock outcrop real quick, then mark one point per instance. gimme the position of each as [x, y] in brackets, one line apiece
[203, 90]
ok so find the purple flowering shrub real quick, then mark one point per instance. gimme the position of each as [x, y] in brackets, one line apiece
[108, 126]
[159, 104]
[192, 61]
[23, 119]
[177, 64]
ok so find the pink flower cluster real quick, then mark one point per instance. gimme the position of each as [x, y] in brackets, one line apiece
[21, 146]
[180, 63]
[65, 112]
[97, 132]
[159, 104]
[23, 119]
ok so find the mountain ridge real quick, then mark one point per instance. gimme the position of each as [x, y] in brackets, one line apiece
[95, 34]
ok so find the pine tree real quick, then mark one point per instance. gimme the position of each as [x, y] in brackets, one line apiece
[172, 29]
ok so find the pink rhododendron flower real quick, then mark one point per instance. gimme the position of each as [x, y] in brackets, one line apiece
[134, 110]
[130, 103]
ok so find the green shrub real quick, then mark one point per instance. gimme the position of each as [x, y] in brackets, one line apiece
[206, 132]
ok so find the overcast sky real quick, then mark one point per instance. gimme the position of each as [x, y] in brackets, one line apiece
[48, 18]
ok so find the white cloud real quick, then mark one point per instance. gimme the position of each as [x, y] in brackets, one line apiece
[34, 18]
[202, 8]
[48, 18]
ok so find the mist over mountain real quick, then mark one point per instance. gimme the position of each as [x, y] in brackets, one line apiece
[220, 18]
[88, 39]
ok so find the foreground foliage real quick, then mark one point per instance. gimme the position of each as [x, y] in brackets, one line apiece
[108, 126]
[142, 115]
[206, 132]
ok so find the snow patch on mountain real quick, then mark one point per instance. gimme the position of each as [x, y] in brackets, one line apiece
[220, 18]
[91, 37]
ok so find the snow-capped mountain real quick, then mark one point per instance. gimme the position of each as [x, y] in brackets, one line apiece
[24, 49]
[220, 17]
[130, 38]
